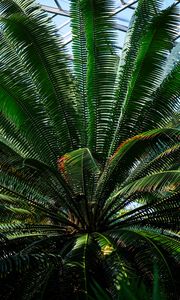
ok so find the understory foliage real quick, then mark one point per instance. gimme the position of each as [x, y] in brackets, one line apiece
[89, 182]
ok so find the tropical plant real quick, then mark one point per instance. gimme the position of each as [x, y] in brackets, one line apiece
[89, 165]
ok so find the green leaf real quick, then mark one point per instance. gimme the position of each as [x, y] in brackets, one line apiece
[160, 181]
[146, 74]
[100, 76]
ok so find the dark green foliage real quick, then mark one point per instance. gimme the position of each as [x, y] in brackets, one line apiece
[89, 155]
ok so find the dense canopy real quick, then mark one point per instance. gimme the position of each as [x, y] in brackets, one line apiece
[90, 154]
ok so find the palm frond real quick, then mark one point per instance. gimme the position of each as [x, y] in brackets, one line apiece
[160, 181]
[146, 247]
[168, 159]
[156, 41]
[11, 137]
[29, 25]
[99, 38]
[158, 213]
[80, 62]
[133, 153]
[164, 101]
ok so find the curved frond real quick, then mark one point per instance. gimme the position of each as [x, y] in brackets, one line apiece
[132, 156]
[164, 102]
[24, 26]
[146, 75]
